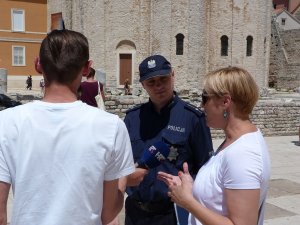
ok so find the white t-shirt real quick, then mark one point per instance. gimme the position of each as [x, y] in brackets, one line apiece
[56, 156]
[244, 164]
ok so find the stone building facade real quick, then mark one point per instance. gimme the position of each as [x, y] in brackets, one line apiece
[286, 21]
[284, 58]
[197, 36]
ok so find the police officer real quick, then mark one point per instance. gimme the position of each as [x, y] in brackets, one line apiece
[165, 117]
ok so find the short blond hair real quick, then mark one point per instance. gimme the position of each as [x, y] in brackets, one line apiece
[236, 82]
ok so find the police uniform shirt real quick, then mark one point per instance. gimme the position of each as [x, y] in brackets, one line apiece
[181, 126]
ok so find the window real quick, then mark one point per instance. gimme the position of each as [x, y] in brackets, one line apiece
[224, 45]
[283, 21]
[179, 44]
[249, 45]
[57, 21]
[18, 55]
[18, 20]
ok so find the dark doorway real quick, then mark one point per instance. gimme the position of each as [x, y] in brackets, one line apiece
[125, 68]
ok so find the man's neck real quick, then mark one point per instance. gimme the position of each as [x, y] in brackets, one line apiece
[159, 107]
[57, 93]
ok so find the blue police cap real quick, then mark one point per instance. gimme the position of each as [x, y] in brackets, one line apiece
[153, 66]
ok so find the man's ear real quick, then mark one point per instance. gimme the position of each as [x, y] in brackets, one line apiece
[86, 68]
[37, 65]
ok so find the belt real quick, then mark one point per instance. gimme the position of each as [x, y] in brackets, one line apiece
[152, 207]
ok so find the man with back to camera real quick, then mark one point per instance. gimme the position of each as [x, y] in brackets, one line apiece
[62, 157]
[167, 118]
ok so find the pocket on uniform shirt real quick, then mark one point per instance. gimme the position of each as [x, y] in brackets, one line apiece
[176, 142]
[173, 138]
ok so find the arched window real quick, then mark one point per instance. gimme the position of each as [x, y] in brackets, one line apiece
[249, 45]
[179, 44]
[224, 45]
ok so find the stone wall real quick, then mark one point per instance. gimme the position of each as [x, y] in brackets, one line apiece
[277, 117]
[284, 58]
[274, 117]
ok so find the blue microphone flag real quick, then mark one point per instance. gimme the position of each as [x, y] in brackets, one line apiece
[154, 155]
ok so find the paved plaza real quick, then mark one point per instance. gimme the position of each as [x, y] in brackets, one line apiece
[283, 201]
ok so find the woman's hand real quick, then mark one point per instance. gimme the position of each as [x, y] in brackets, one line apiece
[180, 187]
[169, 179]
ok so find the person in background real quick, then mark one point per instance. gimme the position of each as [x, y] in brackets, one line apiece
[231, 187]
[127, 87]
[90, 88]
[29, 82]
[69, 174]
[165, 118]
[42, 85]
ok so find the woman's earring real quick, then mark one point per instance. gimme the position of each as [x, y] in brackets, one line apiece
[225, 114]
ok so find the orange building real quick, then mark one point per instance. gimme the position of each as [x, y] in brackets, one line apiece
[23, 26]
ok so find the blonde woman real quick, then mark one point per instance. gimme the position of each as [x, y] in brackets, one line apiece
[232, 186]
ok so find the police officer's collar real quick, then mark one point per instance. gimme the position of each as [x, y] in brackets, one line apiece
[168, 106]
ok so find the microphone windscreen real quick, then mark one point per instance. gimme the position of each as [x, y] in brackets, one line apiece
[154, 155]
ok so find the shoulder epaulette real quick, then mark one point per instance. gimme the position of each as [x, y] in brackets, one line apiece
[194, 109]
[133, 108]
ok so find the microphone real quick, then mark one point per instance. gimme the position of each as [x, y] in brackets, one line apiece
[153, 156]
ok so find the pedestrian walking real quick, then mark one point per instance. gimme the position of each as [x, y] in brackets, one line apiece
[42, 85]
[29, 82]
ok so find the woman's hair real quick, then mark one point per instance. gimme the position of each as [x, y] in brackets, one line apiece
[63, 54]
[236, 82]
[91, 73]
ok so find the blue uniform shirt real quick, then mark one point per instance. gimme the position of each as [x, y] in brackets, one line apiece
[180, 125]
